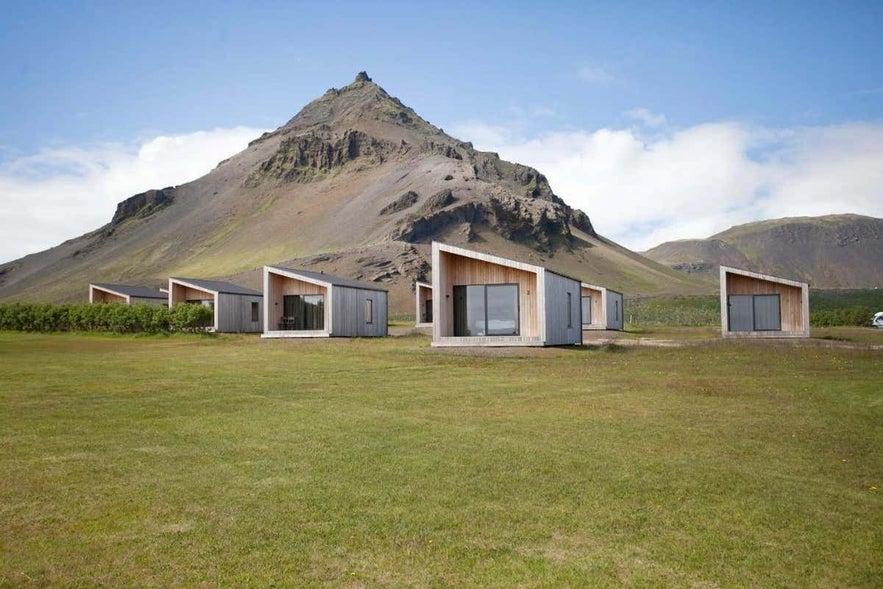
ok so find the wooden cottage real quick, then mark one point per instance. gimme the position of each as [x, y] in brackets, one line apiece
[423, 296]
[601, 308]
[127, 295]
[236, 309]
[757, 305]
[298, 303]
[484, 300]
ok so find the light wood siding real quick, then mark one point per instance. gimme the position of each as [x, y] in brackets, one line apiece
[615, 311]
[423, 293]
[349, 311]
[233, 313]
[454, 270]
[558, 331]
[278, 286]
[794, 301]
[102, 296]
[181, 294]
[597, 307]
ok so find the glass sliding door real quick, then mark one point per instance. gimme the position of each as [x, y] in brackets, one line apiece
[490, 309]
[767, 313]
[755, 312]
[502, 309]
[303, 312]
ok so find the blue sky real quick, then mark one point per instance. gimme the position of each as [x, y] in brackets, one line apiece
[760, 104]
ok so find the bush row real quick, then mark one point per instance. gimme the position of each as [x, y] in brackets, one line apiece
[116, 318]
[685, 311]
[858, 315]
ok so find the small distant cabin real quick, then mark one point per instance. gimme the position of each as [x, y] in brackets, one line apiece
[236, 309]
[127, 295]
[600, 307]
[298, 303]
[484, 300]
[757, 305]
[423, 297]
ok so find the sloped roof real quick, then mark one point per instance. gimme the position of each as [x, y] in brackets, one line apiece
[141, 292]
[500, 261]
[724, 270]
[329, 279]
[218, 286]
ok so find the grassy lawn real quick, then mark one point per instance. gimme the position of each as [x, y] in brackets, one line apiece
[233, 461]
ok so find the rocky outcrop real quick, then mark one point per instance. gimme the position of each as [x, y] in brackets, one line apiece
[488, 167]
[403, 202]
[438, 201]
[307, 157]
[143, 205]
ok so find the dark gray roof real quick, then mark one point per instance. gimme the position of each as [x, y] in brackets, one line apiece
[141, 292]
[331, 279]
[219, 286]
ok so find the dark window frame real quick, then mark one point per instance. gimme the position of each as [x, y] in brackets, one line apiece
[754, 298]
[485, 306]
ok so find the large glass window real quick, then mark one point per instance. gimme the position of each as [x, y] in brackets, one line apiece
[586, 309]
[486, 309]
[755, 312]
[303, 312]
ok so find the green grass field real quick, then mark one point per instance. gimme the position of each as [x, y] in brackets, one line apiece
[234, 461]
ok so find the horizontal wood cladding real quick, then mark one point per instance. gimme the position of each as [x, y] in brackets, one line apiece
[456, 270]
[793, 300]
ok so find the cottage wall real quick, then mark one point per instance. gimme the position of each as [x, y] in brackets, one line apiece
[563, 325]
[459, 270]
[350, 312]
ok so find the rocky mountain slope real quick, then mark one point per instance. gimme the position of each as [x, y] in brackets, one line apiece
[836, 251]
[355, 184]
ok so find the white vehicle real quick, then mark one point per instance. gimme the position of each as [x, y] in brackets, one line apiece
[877, 321]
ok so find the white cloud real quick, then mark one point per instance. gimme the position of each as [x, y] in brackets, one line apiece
[60, 193]
[645, 116]
[698, 181]
[593, 74]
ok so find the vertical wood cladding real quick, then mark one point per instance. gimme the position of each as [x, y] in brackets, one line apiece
[793, 299]
[455, 270]
[279, 286]
[562, 321]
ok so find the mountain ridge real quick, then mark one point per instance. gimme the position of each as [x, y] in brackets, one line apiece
[830, 251]
[355, 183]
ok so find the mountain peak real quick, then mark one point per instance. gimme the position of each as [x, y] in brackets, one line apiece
[362, 77]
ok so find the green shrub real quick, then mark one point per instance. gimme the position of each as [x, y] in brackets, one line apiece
[848, 316]
[190, 317]
[115, 318]
[686, 311]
